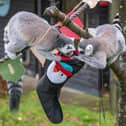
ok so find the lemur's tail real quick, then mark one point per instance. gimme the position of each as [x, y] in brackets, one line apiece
[116, 22]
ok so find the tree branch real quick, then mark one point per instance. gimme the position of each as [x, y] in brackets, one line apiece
[57, 14]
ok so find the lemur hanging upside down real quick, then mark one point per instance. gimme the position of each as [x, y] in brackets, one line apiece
[104, 48]
[28, 30]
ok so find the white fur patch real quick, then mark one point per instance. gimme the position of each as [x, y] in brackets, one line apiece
[56, 77]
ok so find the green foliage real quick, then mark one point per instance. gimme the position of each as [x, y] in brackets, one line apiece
[31, 114]
[11, 70]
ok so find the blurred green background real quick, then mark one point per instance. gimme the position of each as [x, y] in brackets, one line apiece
[31, 114]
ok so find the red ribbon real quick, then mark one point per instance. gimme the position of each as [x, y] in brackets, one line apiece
[66, 72]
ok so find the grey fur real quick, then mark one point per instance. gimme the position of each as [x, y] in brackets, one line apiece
[108, 44]
[26, 29]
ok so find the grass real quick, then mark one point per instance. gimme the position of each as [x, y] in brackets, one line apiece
[31, 114]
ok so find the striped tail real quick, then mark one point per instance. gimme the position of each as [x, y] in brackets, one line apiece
[116, 22]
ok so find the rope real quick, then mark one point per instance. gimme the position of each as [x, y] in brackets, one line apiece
[42, 37]
[101, 106]
[79, 11]
[77, 6]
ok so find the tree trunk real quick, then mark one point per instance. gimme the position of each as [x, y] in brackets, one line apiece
[116, 67]
[123, 15]
[121, 117]
[120, 72]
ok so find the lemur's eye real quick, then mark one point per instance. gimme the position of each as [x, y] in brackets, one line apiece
[89, 50]
[57, 37]
[69, 47]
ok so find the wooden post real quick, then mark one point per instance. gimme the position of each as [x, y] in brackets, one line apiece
[121, 117]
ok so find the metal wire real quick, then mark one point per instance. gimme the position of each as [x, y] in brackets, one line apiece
[79, 10]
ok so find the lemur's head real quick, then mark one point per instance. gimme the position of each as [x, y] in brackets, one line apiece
[65, 44]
